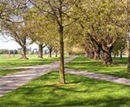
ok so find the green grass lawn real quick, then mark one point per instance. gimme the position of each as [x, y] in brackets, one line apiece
[118, 68]
[9, 71]
[7, 62]
[78, 92]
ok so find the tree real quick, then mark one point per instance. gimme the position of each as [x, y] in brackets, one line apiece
[119, 48]
[128, 31]
[18, 33]
[41, 30]
[102, 24]
[57, 10]
[14, 23]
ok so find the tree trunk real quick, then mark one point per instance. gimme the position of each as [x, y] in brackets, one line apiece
[14, 52]
[121, 53]
[56, 53]
[50, 51]
[128, 37]
[61, 69]
[128, 48]
[96, 54]
[40, 52]
[22, 43]
[115, 55]
[86, 52]
[91, 55]
[106, 56]
[9, 53]
[128, 63]
[24, 55]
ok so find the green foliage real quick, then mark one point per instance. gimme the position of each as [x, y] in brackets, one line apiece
[120, 47]
[104, 20]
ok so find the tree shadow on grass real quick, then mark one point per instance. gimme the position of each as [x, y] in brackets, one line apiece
[78, 92]
[62, 100]
[89, 66]
[108, 102]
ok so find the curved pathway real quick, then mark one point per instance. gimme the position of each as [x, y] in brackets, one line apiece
[105, 77]
[15, 80]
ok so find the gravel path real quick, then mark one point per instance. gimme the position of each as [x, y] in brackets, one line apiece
[15, 80]
[109, 78]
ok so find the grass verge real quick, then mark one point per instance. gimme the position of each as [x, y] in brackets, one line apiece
[118, 68]
[15, 62]
[9, 71]
[9, 65]
[78, 92]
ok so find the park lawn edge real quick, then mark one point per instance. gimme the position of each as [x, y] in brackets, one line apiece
[117, 69]
[78, 92]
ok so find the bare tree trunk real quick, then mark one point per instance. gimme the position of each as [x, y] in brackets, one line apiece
[40, 52]
[128, 36]
[22, 43]
[50, 51]
[14, 52]
[121, 53]
[106, 56]
[128, 63]
[115, 55]
[86, 52]
[24, 55]
[128, 48]
[91, 54]
[56, 53]
[9, 53]
[61, 69]
[96, 55]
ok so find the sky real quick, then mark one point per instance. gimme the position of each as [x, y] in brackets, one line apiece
[12, 45]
